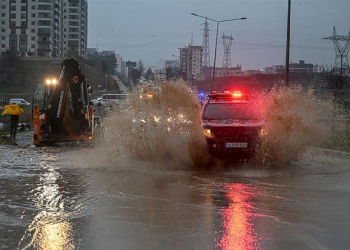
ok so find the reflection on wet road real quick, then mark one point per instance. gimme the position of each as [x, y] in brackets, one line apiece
[38, 200]
[46, 204]
[238, 218]
[50, 228]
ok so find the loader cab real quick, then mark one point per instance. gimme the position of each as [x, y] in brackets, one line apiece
[43, 93]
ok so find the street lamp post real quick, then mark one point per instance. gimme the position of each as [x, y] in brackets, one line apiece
[216, 42]
[177, 68]
[106, 82]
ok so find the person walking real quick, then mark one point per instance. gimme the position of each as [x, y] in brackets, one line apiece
[14, 110]
[14, 126]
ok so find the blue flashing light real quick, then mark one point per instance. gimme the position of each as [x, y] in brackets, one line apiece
[202, 94]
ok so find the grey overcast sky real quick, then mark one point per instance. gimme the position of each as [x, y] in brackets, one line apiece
[153, 30]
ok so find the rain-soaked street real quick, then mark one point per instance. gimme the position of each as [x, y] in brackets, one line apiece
[48, 203]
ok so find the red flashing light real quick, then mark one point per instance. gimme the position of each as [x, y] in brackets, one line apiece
[214, 91]
[237, 94]
[227, 92]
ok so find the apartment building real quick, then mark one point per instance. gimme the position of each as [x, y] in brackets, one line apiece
[160, 74]
[119, 66]
[91, 53]
[43, 27]
[191, 61]
[224, 72]
[301, 67]
[75, 26]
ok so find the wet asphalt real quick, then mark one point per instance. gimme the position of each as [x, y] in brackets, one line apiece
[46, 203]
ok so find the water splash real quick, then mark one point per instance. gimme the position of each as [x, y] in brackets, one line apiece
[161, 124]
[158, 123]
[296, 118]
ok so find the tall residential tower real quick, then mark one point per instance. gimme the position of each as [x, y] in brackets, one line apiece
[191, 61]
[75, 26]
[43, 27]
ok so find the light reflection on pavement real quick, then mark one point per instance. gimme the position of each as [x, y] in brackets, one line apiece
[238, 219]
[45, 204]
[50, 228]
[38, 200]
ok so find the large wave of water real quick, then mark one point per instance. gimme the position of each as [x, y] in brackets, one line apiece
[160, 129]
[166, 127]
[296, 118]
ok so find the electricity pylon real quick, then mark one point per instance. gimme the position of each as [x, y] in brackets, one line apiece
[206, 52]
[341, 63]
[227, 42]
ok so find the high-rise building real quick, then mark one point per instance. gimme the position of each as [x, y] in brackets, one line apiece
[91, 53]
[119, 64]
[75, 26]
[191, 61]
[43, 27]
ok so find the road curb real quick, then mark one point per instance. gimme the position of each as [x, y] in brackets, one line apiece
[333, 153]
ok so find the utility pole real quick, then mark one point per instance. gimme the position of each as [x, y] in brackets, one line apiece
[106, 82]
[190, 64]
[288, 45]
[216, 47]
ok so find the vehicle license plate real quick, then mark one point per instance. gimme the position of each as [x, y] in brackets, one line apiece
[236, 145]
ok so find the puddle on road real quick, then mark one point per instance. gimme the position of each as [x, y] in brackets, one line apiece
[41, 199]
[163, 133]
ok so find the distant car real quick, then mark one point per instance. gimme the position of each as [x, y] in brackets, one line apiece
[98, 100]
[19, 101]
[23, 127]
[113, 98]
[94, 101]
[232, 125]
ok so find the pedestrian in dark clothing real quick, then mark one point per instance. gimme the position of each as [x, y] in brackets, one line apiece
[14, 125]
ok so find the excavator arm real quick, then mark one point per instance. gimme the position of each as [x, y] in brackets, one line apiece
[67, 114]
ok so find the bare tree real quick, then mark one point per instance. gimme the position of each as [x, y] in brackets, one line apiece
[149, 74]
[172, 73]
[140, 67]
[336, 81]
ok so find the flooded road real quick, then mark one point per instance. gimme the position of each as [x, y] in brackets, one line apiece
[46, 203]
